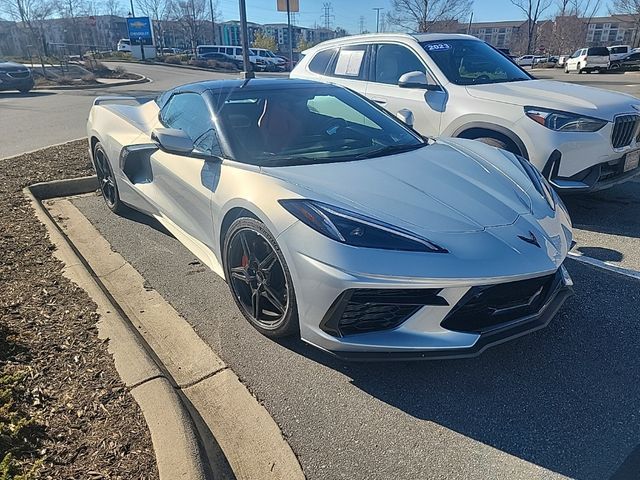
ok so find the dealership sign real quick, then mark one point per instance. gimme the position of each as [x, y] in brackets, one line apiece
[140, 30]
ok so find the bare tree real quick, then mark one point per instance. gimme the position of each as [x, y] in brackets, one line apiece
[112, 8]
[191, 16]
[31, 14]
[572, 22]
[422, 15]
[631, 8]
[159, 11]
[533, 9]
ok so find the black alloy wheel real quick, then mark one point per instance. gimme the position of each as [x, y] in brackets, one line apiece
[107, 180]
[259, 279]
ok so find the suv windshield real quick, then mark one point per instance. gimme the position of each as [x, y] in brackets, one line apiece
[472, 62]
[308, 125]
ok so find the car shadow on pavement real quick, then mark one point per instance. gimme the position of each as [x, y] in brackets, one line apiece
[613, 211]
[565, 398]
[31, 94]
[139, 217]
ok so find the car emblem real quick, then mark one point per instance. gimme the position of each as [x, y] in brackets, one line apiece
[530, 239]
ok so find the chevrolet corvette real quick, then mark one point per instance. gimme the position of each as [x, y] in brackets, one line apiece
[332, 220]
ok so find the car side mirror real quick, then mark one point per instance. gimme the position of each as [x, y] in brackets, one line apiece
[172, 140]
[406, 116]
[416, 80]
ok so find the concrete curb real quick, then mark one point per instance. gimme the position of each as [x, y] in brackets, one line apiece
[232, 425]
[179, 454]
[143, 79]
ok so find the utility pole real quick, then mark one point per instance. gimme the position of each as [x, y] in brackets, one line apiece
[244, 33]
[290, 33]
[361, 23]
[469, 25]
[213, 23]
[377, 9]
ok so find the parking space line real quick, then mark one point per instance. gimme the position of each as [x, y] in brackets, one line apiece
[604, 265]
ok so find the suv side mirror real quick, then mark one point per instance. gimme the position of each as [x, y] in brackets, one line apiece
[416, 80]
[172, 140]
[406, 116]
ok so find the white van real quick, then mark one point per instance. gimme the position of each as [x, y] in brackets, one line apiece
[587, 60]
[272, 60]
[235, 51]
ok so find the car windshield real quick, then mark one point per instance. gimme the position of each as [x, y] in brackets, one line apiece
[308, 125]
[472, 62]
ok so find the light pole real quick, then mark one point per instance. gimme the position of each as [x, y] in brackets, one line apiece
[244, 32]
[213, 23]
[377, 9]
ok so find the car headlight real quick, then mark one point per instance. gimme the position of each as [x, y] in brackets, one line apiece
[355, 229]
[564, 121]
[539, 182]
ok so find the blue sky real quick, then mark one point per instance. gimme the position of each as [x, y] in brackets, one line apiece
[347, 12]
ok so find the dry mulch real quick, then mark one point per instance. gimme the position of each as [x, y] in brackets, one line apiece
[75, 418]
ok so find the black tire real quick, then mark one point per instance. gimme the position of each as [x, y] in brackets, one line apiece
[107, 180]
[579, 69]
[566, 68]
[256, 271]
[496, 142]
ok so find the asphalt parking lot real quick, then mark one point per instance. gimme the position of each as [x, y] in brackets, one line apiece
[562, 402]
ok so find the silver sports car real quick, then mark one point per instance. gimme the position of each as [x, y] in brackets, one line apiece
[332, 220]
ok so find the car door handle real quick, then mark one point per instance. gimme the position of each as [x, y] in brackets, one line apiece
[379, 101]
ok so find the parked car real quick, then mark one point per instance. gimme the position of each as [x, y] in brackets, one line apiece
[124, 45]
[562, 60]
[224, 58]
[617, 52]
[630, 61]
[333, 221]
[580, 137]
[171, 51]
[525, 60]
[588, 60]
[15, 76]
[545, 62]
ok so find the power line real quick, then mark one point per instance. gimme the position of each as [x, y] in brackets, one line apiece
[377, 9]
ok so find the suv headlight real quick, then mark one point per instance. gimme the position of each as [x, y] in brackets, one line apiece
[564, 121]
[355, 229]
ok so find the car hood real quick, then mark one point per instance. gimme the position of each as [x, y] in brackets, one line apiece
[446, 187]
[12, 67]
[570, 97]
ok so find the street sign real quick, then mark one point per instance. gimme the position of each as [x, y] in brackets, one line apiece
[140, 30]
[294, 5]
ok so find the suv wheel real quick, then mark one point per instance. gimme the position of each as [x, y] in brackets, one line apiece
[579, 68]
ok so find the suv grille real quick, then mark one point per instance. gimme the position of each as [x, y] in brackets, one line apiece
[368, 310]
[487, 307]
[623, 129]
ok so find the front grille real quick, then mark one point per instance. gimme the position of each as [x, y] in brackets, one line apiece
[484, 308]
[368, 310]
[23, 74]
[624, 129]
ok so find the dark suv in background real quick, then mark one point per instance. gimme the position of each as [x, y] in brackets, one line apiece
[14, 76]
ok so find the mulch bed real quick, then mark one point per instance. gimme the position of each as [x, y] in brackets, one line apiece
[63, 408]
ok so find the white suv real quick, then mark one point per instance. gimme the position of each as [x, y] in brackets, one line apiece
[581, 138]
[587, 60]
